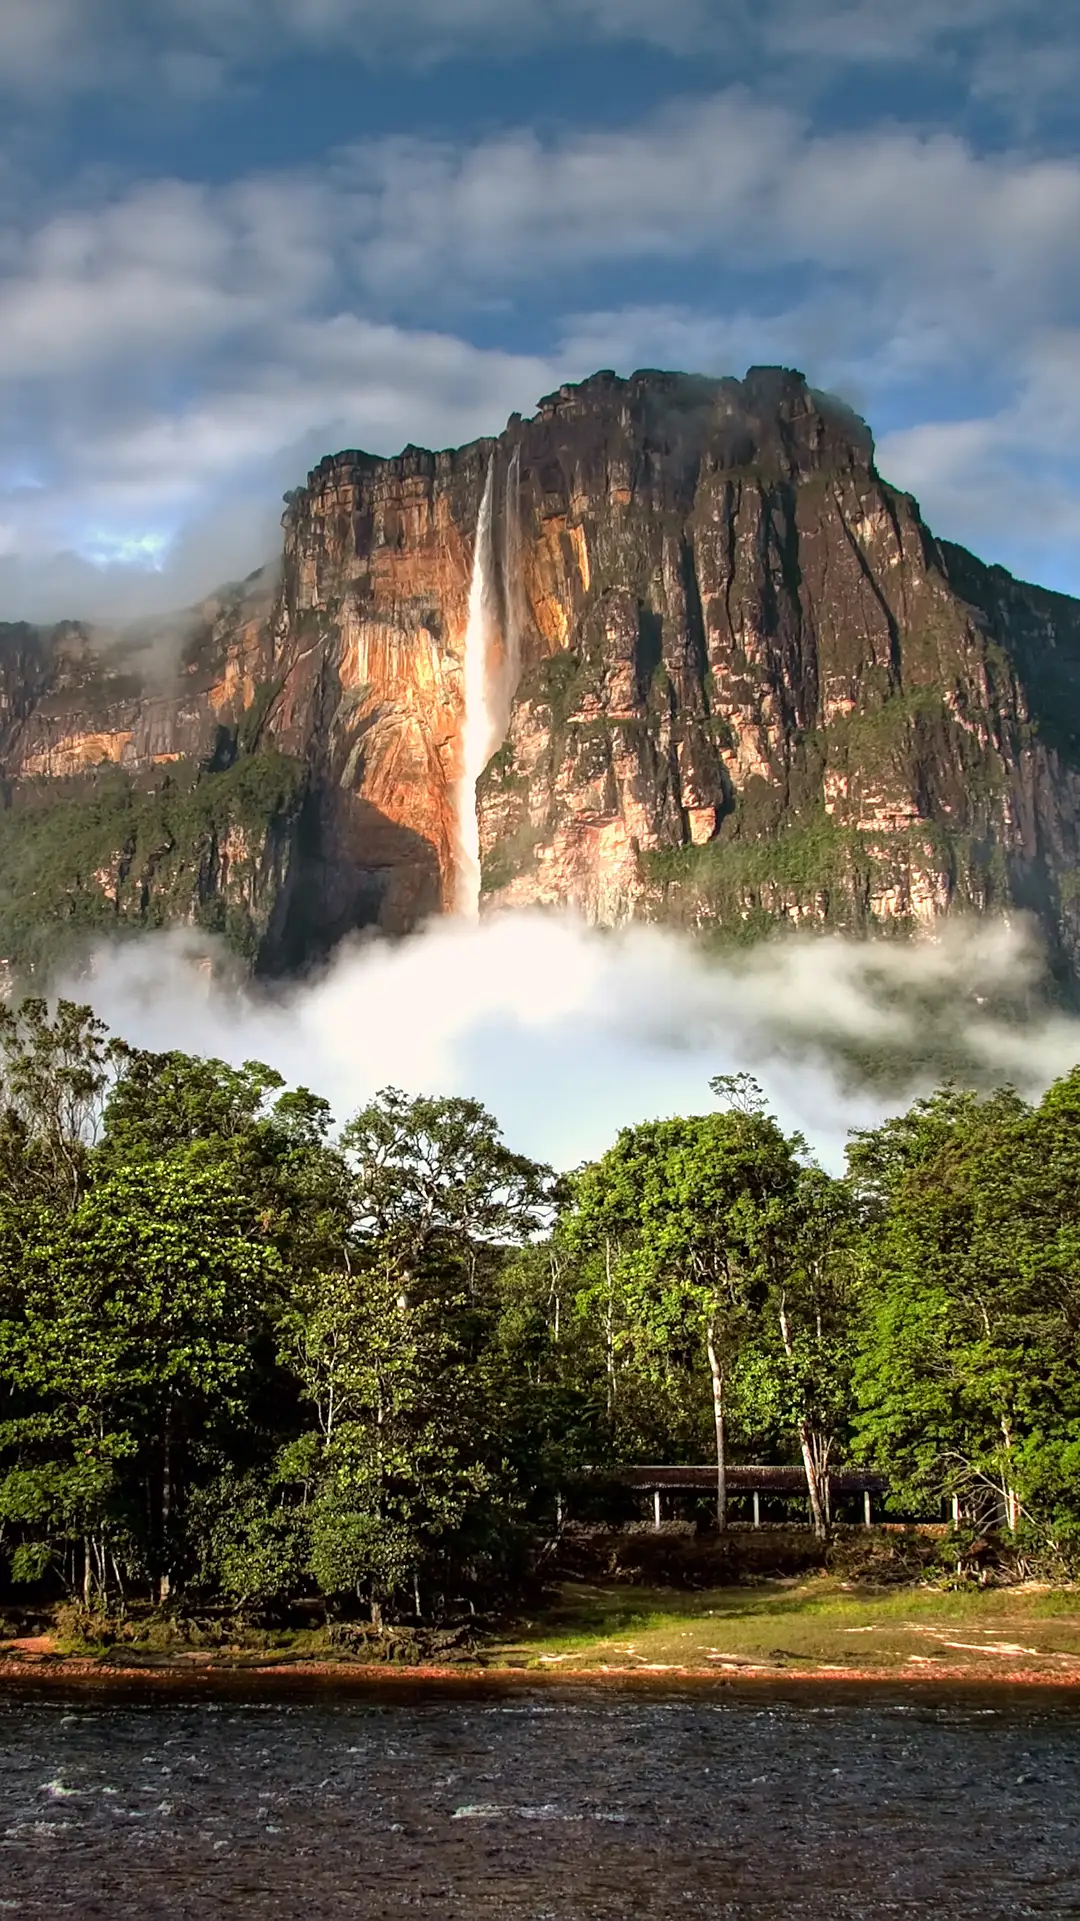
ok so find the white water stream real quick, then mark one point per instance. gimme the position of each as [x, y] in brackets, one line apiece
[483, 723]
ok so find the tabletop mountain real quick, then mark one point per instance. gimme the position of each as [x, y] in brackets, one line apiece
[734, 682]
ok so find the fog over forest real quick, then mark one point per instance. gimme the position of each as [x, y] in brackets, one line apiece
[568, 1033]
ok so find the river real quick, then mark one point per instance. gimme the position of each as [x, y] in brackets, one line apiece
[548, 1805]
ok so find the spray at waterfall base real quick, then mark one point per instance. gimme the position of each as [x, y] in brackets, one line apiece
[566, 1034]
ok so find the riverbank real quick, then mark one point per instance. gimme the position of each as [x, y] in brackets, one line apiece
[816, 1629]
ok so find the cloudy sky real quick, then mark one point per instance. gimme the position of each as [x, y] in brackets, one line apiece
[238, 234]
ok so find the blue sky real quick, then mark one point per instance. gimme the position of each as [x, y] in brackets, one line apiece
[238, 234]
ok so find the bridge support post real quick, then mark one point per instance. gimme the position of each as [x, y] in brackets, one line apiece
[757, 1508]
[867, 1508]
[656, 1507]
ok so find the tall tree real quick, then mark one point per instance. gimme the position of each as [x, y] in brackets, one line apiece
[434, 1180]
[397, 1462]
[794, 1381]
[273, 1141]
[128, 1334]
[693, 1208]
[55, 1074]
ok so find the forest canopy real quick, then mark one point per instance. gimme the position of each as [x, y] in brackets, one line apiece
[249, 1355]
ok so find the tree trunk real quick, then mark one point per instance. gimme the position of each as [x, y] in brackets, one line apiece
[1009, 1494]
[555, 1299]
[814, 1476]
[164, 1582]
[609, 1335]
[814, 1482]
[717, 1377]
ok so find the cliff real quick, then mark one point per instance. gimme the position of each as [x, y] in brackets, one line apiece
[732, 680]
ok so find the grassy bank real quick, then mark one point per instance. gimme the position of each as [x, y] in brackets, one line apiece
[806, 1625]
[812, 1626]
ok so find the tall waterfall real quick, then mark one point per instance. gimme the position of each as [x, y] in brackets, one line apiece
[482, 727]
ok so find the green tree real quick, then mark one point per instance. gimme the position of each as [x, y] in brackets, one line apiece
[127, 1337]
[967, 1380]
[396, 1463]
[273, 1141]
[55, 1074]
[686, 1215]
[433, 1181]
[161, 1102]
[794, 1380]
[390, 1343]
[545, 1372]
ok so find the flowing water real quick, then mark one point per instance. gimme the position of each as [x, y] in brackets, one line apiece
[479, 727]
[539, 1806]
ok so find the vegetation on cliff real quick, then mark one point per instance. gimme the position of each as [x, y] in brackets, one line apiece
[247, 1357]
[109, 852]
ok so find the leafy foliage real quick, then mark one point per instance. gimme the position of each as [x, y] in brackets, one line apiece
[246, 1357]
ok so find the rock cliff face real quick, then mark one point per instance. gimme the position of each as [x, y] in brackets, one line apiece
[736, 681]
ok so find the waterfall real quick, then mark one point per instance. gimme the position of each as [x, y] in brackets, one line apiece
[480, 729]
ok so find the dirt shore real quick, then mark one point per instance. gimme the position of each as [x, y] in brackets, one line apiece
[67, 1671]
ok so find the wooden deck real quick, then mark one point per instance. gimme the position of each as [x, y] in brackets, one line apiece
[786, 1483]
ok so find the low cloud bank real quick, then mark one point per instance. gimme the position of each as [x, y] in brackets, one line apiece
[568, 1033]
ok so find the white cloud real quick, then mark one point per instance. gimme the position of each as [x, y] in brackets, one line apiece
[165, 266]
[189, 47]
[172, 350]
[216, 468]
[568, 1034]
[1012, 476]
[727, 181]
[33, 36]
[865, 31]
[428, 28]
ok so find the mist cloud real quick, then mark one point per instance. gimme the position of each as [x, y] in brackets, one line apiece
[568, 1033]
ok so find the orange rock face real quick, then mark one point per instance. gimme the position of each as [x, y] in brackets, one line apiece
[737, 681]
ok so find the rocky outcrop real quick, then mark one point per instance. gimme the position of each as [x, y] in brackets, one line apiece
[779, 697]
[748, 686]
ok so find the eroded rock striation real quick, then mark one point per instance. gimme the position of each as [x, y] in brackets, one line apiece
[736, 680]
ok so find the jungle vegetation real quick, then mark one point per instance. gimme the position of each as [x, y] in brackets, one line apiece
[250, 1356]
